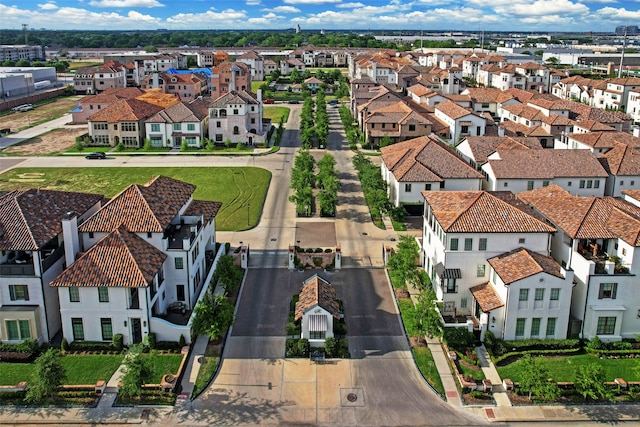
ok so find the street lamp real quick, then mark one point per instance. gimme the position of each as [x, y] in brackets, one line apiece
[26, 80]
[248, 214]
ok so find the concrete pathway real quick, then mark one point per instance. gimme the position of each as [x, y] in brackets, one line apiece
[490, 372]
[193, 365]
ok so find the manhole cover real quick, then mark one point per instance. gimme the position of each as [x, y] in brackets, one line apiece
[352, 397]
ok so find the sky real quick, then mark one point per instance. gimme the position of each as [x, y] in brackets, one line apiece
[464, 15]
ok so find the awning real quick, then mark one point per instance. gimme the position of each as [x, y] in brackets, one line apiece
[447, 273]
[487, 297]
[317, 323]
[465, 123]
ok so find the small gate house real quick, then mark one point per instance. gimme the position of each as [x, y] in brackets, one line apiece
[317, 307]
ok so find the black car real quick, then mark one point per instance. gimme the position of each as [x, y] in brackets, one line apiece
[294, 101]
[96, 155]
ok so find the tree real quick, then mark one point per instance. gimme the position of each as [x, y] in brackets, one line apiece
[538, 53]
[48, 376]
[386, 140]
[427, 316]
[553, 60]
[213, 315]
[535, 380]
[150, 49]
[403, 262]
[589, 382]
[136, 372]
[228, 274]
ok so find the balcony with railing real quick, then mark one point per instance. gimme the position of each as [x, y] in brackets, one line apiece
[602, 262]
[17, 263]
[182, 236]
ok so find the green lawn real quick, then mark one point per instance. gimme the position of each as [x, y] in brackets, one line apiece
[564, 368]
[427, 367]
[242, 191]
[275, 113]
[162, 364]
[407, 311]
[255, 85]
[207, 368]
[80, 369]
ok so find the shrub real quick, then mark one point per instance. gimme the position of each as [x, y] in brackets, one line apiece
[291, 347]
[328, 251]
[168, 345]
[489, 340]
[303, 347]
[476, 394]
[184, 146]
[317, 261]
[118, 342]
[147, 145]
[78, 145]
[309, 250]
[120, 146]
[150, 340]
[27, 346]
[181, 341]
[292, 328]
[227, 246]
[318, 250]
[64, 345]
[330, 346]
[459, 338]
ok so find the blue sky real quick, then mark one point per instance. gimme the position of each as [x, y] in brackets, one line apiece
[471, 15]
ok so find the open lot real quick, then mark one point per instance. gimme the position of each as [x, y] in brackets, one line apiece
[242, 191]
[43, 112]
[55, 142]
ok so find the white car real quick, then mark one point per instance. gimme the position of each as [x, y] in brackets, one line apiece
[23, 107]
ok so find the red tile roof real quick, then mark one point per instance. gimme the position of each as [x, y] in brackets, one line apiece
[546, 164]
[425, 159]
[317, 291]
[487, 297]
[480, 212]
[132, 110]
[522, 263]
[121, 259]
[148, 208]
[483, 146]
[31, 218]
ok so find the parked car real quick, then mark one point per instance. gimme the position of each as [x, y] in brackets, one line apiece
[24, 107]
[268, 101]
[294, 101]
[96, 155]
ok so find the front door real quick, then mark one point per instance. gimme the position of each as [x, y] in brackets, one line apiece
[136, 331]
[177, 141]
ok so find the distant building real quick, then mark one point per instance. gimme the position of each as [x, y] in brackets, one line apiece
[18, 52]
[631, 30]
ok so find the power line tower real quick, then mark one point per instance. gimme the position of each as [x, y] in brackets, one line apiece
[25, 28]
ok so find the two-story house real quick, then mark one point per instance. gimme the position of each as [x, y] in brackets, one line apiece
[461, 122]
[147, 250]
[32, 255]
[477, 149]
[578, 171]
[255, 63]
[597, 238]
[90, 104]
[424, 164]
[230, 76]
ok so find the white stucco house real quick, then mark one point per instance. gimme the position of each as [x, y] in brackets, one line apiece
[317, 309]
[182, 122]
[461, 122]
[424, 163]
[146, 252]
[237, 117]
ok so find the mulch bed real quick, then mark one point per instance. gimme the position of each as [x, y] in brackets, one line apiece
[486, 399]
[417, 342]
[402, 293]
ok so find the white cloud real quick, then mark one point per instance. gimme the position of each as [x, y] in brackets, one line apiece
[228, 18]
[351, 5]
[267, 19]
[284, 9]
[311, 1]
[542, 8]
[617, 13]
[125, 3]
[253, 2]
[48, 6]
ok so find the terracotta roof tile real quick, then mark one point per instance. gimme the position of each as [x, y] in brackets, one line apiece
[487, 297]
[121, 259]
[31, 218]
[148, 208]
[480, 212]
[425, 159]
[546, 164]
[125, 110]
[522, 263]
[483, 146]
[317, 291]
[453, 110]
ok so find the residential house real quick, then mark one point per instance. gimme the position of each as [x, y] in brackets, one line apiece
[597, 142]
[317, 309]
[616, 95]
[186, 87]
[462, 231]
[622, 163]
[398, 121]
[183, 122]
[90, 104]
[596, 238]
[255, 63]
[461, 122]
[33, 246]
[477, 149]
[424, 164]
[237, 117]
[148, 251]
[269, 67]
[164, 61]
[577, 171]
[230, 76]
[313, 83]
[121, 122]
[91, 80]
[287, 65]
[425, 96]
[633, 105]
[528, 296]
[488, 100]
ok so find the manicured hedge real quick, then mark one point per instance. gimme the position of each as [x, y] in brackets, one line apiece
[537, 344]
[510, 357]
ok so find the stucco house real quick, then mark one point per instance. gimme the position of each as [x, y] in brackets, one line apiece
[33, 246]
[424, 163]
[317, 308]
[237, 117]
[147, 250]
[461, 122]
[184, 121]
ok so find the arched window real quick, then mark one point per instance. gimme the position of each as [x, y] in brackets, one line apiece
[223, 113]
[236, 130]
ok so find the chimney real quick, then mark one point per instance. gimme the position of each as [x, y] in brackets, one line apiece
[70, 237]
[156, 80]
[260, 96]
[500, 131]
[374, 71]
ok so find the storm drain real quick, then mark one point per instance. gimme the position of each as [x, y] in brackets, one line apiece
[352, 396]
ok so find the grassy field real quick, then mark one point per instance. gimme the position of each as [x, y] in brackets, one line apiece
[74, 65]
[80, 369]
[276, 113]
[407, 311]
[162, 364]
[564, 368]
[427, 367]
[207, 368]
[255, 85]
[242, 191]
